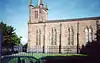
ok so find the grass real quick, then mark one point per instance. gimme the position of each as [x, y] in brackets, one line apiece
[39, 55]
[15, 60]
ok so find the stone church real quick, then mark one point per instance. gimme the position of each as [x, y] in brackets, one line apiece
[58, 36]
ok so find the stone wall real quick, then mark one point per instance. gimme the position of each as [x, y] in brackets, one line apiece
[64, 35]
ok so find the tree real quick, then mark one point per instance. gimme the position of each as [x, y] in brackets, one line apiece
[98, 32]
[93, 48]
[25, 47]
[10, 38]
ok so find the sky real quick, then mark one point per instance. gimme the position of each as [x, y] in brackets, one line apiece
[16, 12]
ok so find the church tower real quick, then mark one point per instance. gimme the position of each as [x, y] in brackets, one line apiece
[38, 13]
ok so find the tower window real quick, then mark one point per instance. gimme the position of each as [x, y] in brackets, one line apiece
[36, 14]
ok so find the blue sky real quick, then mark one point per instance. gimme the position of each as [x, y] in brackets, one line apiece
[16, 12]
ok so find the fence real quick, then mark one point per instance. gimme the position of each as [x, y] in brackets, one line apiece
[48, 49]
[36, 52]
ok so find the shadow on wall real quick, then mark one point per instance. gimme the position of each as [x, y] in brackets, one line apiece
[91, 49]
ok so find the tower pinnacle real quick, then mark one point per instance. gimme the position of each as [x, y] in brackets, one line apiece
[40, 2]
[30, 2]
[46, 5]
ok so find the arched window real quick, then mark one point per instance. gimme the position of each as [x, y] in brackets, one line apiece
[38, 37]
[86, 35]
[70, 36]
[54, 36]
[90, 34]
[36, 14]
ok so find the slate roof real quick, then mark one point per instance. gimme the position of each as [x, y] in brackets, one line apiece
[67, 20]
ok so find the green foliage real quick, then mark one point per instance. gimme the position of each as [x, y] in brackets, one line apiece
[98, 34]
[10, 38]
[92, 48]
[39, 55]
[46, 6]
[25, 47]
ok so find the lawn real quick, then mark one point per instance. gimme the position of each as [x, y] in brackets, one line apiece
[39, 55]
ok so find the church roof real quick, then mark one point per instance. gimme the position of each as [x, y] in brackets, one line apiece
[75, 19]
[67, 20]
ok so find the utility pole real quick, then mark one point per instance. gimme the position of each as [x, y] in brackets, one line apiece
[60, 39]
[78, 37]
